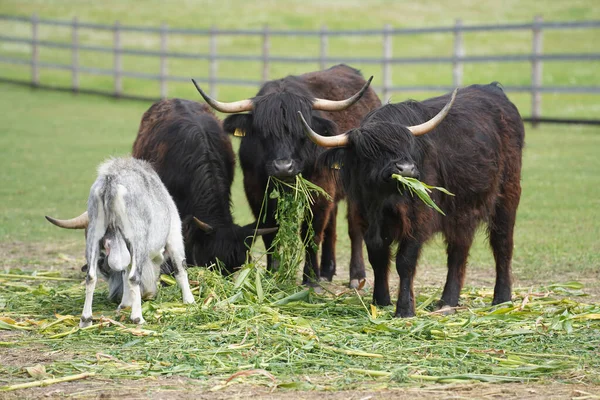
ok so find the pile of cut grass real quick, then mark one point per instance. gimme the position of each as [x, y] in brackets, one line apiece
[305, 340]
[262, 328]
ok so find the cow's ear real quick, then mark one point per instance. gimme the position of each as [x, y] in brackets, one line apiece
[323, 126]
[332, 158]
[238, 124]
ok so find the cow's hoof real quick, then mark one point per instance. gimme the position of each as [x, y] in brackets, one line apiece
[446, 310]
[404, 313]
[357, 283]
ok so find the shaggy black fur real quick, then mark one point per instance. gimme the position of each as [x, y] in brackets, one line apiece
[185, 143]
[273, 136]
[475, 153]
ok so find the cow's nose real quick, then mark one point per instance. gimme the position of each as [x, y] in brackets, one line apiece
[407, 169]
[283, 168]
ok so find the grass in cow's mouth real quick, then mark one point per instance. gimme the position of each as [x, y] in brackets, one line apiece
[422, 190]
[294, 200]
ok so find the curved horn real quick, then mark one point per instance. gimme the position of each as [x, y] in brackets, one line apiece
[266, 231]
[203, 225]
[339, 105]
[233, 107]
[80, 222]
[428, 126]
[324, 141]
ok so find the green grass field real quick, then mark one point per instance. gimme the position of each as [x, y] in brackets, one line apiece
[52, 142]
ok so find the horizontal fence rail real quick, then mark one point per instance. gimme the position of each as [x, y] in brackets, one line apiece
[457, 60]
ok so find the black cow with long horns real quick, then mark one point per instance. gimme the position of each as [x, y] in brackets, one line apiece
[185, 143]
[273, 144]
[472, 147]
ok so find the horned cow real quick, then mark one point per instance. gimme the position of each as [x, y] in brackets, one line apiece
[185, 143]
[273, 144]
[472, 147]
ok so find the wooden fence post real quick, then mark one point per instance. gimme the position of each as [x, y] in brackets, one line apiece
[459, 52]
[536, 71]
[35, 73]
[387, 65]
[118, 65]
[266, 48]
[75, 56]
[323, 52]
[212, 69]
[163, 60]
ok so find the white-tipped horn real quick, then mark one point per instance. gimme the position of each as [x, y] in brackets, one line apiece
[233, 107]
[428, 126]
[324, 141]
[80, 222]
[339, 105]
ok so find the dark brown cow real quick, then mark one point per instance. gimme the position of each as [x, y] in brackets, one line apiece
[185, 143]
[473, 149]
[274, 144]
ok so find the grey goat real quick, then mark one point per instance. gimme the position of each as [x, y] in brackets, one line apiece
[131, 224]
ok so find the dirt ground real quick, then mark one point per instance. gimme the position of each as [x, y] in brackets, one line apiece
[68, 258]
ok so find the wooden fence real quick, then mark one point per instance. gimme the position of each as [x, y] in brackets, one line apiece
[457, 60]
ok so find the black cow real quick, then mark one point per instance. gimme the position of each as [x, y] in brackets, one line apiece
[186, 145]
[274, 144]
[473, 149]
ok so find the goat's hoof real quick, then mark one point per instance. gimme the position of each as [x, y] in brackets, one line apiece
[189, 300]
[85, 322]
[138, 321]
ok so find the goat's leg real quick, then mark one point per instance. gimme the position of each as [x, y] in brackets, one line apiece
[90, 284]
[133, 283]
[126, 299]
[176, 252]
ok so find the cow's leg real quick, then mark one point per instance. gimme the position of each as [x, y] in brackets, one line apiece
[357, 262]
[458, 245]
[406, 265]
[379, 257]
[501, 239]
[328, 248]
[90, 282]
[176, 252]
[311, 265]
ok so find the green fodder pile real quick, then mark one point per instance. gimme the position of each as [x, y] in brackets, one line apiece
[335, 340]
[262, 328]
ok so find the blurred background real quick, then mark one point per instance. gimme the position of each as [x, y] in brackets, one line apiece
[545, 53]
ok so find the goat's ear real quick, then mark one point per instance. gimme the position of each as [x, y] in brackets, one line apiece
[238, 124]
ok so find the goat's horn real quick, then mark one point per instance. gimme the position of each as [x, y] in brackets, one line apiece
[80, 222]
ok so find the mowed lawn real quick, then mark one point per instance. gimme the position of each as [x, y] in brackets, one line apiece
[51, 144]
